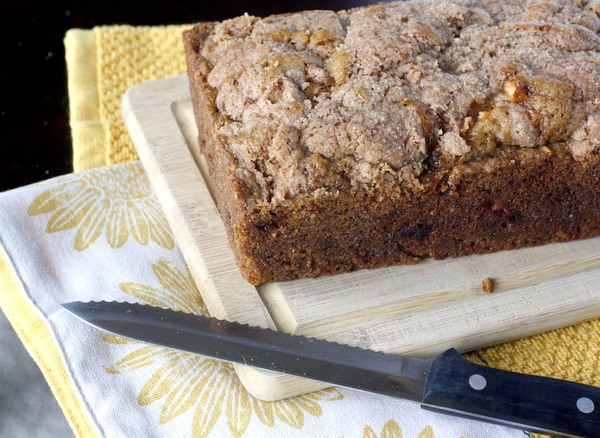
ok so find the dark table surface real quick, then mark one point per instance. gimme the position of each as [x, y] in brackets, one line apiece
[35, 141]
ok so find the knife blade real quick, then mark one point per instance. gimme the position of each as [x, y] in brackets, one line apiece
[447, 383]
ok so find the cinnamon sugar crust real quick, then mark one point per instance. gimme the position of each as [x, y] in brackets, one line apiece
[384, 134]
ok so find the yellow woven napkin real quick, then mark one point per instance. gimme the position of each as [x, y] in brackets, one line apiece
[104, 62]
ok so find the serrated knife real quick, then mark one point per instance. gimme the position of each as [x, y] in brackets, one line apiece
[447, 383]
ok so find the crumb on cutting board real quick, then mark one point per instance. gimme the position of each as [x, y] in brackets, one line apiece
[487, 285]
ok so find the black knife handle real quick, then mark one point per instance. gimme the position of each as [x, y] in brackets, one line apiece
[532, 403]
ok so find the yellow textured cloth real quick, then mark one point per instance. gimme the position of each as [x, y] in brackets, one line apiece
[104, 62]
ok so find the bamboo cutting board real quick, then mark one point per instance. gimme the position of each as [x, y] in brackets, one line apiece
[419, 310]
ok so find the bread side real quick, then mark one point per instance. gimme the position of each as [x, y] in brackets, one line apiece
[389, 133]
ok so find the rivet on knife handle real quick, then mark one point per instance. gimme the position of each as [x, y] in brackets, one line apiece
[547, 405]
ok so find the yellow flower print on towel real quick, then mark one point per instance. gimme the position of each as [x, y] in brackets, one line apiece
[392, 429]
[183, 381]
[116, 201]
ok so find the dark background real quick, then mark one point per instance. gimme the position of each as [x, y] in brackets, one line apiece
[35, 141]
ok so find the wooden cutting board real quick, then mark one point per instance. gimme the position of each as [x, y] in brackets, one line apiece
[419, 310]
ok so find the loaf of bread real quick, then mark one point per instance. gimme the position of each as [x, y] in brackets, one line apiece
[384, 134]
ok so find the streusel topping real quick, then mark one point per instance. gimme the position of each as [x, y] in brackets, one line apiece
[383, 93]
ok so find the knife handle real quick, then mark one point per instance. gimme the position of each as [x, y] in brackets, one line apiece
[532, 403]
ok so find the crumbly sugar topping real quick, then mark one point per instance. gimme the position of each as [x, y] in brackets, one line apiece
[372, 94]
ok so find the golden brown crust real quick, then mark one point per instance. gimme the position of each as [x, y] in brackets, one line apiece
[494, 185]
